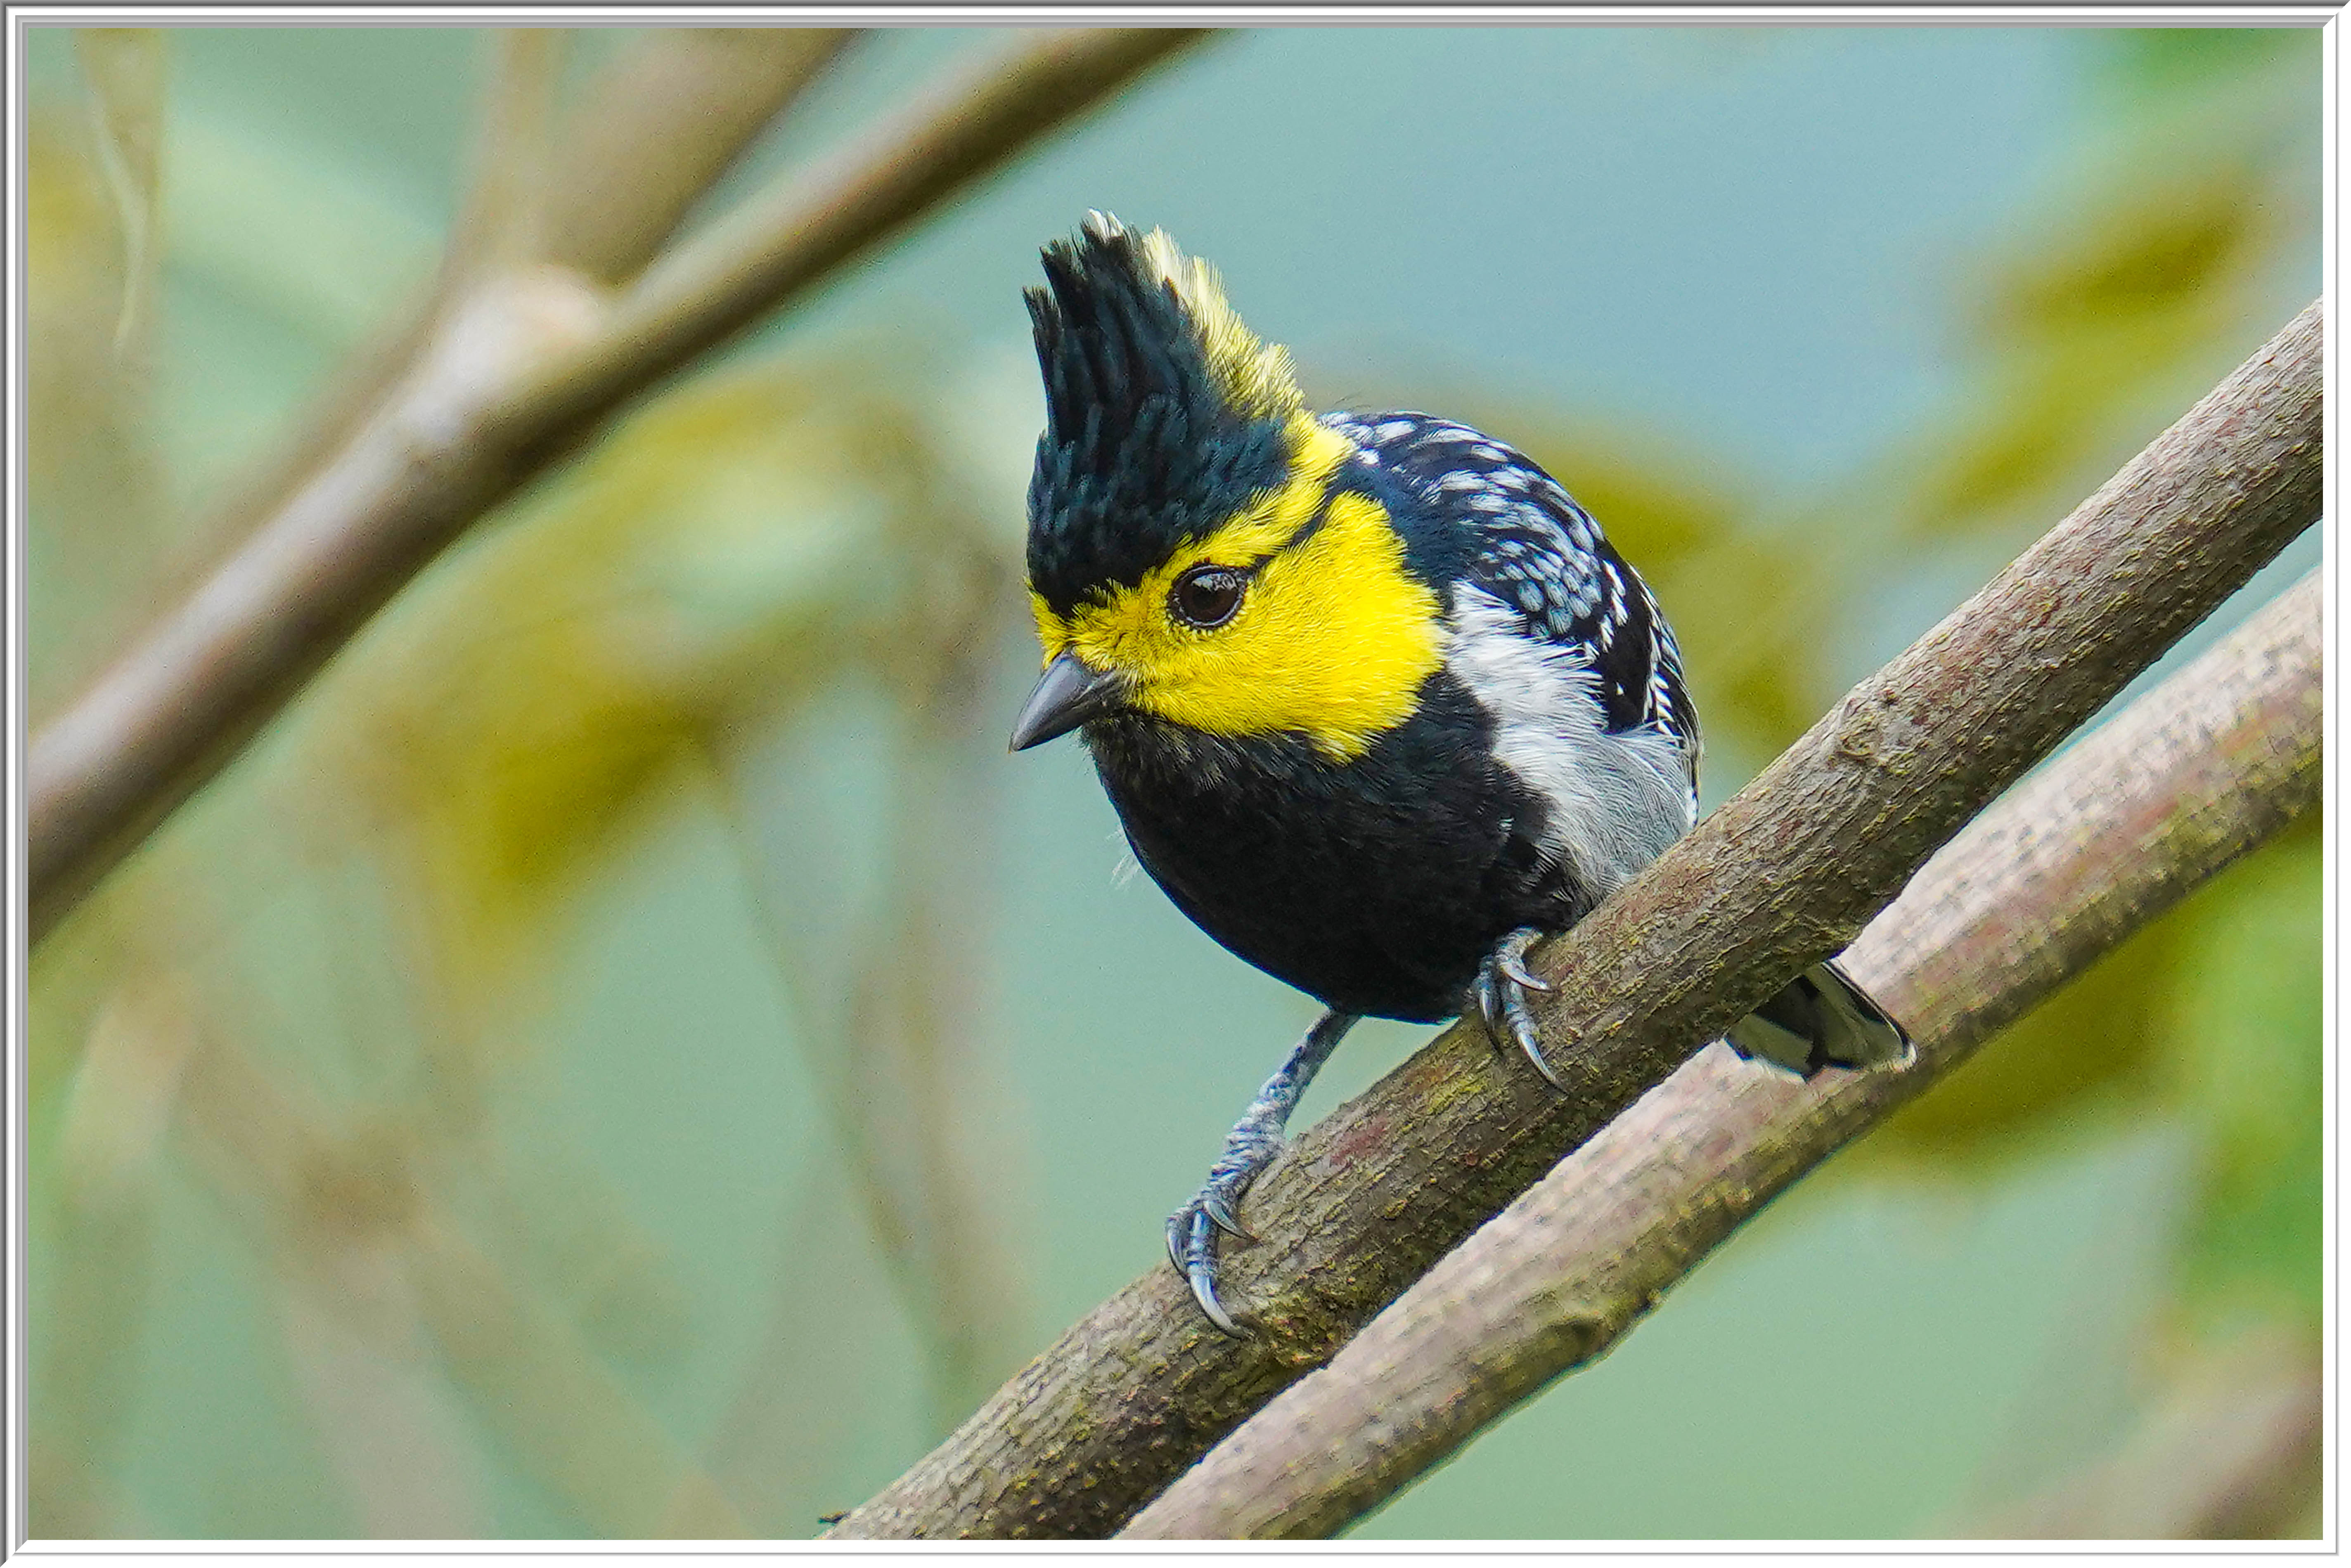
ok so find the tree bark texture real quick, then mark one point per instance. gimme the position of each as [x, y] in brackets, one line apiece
[1783, 875]
[2116, 830]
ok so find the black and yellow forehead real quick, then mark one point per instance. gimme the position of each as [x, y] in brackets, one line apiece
[1163, 416]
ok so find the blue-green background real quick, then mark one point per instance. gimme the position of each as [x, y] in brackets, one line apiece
[1772, 275]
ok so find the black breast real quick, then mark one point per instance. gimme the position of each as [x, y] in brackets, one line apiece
[1376, 887]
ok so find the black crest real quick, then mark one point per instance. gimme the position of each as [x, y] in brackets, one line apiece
[1144, 445]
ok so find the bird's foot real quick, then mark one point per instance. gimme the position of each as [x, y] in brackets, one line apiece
[1192, 1230]
[1250, 1147]
[1500, 990]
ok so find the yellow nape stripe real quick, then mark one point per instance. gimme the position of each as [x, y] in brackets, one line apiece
[1255, 376]
[1333, 641]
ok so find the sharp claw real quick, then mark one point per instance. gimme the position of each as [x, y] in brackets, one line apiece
[1488, 1005]
[1536, 1056]
[1503, 980]
[1203, 1290]
[1201, 1272]
[1214, 1205]
[1522, 1029]
[1191, 1247]
[1512, 966]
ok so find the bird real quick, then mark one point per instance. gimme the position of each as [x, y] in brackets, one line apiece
[1376, 702]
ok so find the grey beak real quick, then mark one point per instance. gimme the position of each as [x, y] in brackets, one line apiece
[1066, 696]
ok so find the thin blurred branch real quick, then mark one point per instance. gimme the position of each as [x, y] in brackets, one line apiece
[664, 122]
[124, 1097]
[598, 223]
[792, 1414]
[888, 1013]
[96, 466]
[782, 244]
[2116, 830]
[1783, 875]
[519, 379]
[916, 991]
[2237, 1453]
[124, 67]
[503, 224]
[386, 1421]
[348, 1218]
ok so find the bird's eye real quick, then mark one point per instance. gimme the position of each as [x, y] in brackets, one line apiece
[1207, 596]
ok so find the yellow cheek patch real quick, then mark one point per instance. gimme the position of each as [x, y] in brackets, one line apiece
[1333, 639]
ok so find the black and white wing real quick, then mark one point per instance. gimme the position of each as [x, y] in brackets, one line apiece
[1531, 547]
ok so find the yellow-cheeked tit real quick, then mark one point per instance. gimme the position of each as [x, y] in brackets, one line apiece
[1376, 702]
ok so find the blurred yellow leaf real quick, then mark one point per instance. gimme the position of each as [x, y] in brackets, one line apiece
[723, 553]
[2145, 282]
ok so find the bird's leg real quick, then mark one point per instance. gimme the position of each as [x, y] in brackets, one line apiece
[1252, 1145]
[1500, 990]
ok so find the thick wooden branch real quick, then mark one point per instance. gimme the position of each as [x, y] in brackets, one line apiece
[523, 377]
[2116, 830]
[1783, 875]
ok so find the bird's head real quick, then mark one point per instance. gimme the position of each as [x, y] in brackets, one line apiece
[1202, 550]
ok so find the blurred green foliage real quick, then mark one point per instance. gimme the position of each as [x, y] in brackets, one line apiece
[726, 554]
[363, 1199]
[2241, 1015]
